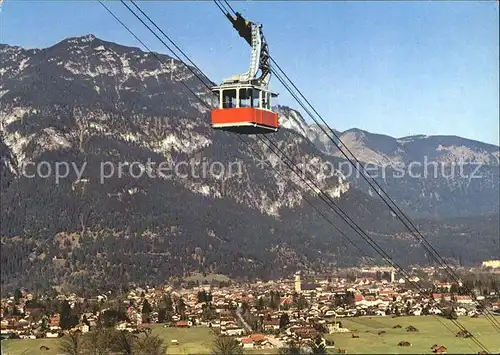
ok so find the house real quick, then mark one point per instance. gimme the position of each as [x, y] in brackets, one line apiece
[439, 349]
[84, 328]
[121, 326]
[358, 299]
[247, 343]
[305, 333]
[273, 324]
[438, 296]
[54, 320]
[182, 324]
[464, 299]
[257, 337]
[233, 331]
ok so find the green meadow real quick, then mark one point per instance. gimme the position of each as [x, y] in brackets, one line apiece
[430, 331]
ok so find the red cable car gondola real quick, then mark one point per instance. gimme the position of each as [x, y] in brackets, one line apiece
[245, 100]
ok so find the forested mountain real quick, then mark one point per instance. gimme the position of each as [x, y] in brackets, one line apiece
[149, 191]
[428, 176]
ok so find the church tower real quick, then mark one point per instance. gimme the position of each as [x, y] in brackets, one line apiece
[298, 284]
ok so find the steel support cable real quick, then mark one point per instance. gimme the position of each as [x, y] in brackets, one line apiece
[154, 54]
[373, 244]
[329, 201]
[210, 107]
[426, 244]
[165, 44]
[342, 233]
[162, 41]
[230, 7]
[192, 63]
[432, 252]
[181, 61]
[208, 81]
[415, 232]
[223, 8]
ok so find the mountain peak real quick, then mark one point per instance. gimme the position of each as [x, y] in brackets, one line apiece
[85, 38]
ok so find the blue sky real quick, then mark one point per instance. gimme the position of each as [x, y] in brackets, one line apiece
[397, 68]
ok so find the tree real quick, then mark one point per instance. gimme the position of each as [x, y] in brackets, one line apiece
[203, 296]
[284, 320]
[302, 302]
[123, 342]
[149, 345]
[72, 344]
[408, 308]
[351, 277]
[223, 345]
[294, 348]
[442, 301]
[68, 320]
[110, 317]
[260, 304]
[208, 313]
[98, 341]
[17, 296]
[181, 308]
[275, 300]
[451, 314]
[396, 311]
[168, 304]
[162, 315]
[146, 307]
[318, 346]
[146, 310]
[349, 297]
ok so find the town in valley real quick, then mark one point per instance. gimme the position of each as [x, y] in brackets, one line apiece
[326, 311]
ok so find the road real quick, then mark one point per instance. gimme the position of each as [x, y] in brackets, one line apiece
[247, 327]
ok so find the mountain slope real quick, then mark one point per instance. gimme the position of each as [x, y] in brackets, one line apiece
[142, 195]
[428, 176]
[88, 108]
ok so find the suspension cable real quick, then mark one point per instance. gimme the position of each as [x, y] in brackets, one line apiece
[476, 340]
[396, 210]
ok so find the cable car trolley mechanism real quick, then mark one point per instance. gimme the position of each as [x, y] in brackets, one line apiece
[245, 99]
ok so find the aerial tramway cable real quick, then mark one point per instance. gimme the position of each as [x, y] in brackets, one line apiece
[166, 46]
[154, 54]
[476, 340]
[396, 209]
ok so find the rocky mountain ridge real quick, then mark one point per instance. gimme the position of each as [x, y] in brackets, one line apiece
[87, 105]
[430, 176]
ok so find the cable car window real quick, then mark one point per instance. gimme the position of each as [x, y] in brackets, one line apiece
[217, 94]
[255, 98]
[229, 99]
[265, 100]
[245, 97]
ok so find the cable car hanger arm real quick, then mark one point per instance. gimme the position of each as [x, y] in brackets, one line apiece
[260, 59]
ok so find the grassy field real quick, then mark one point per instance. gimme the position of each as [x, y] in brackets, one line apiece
[191, 341]
[431, 331]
